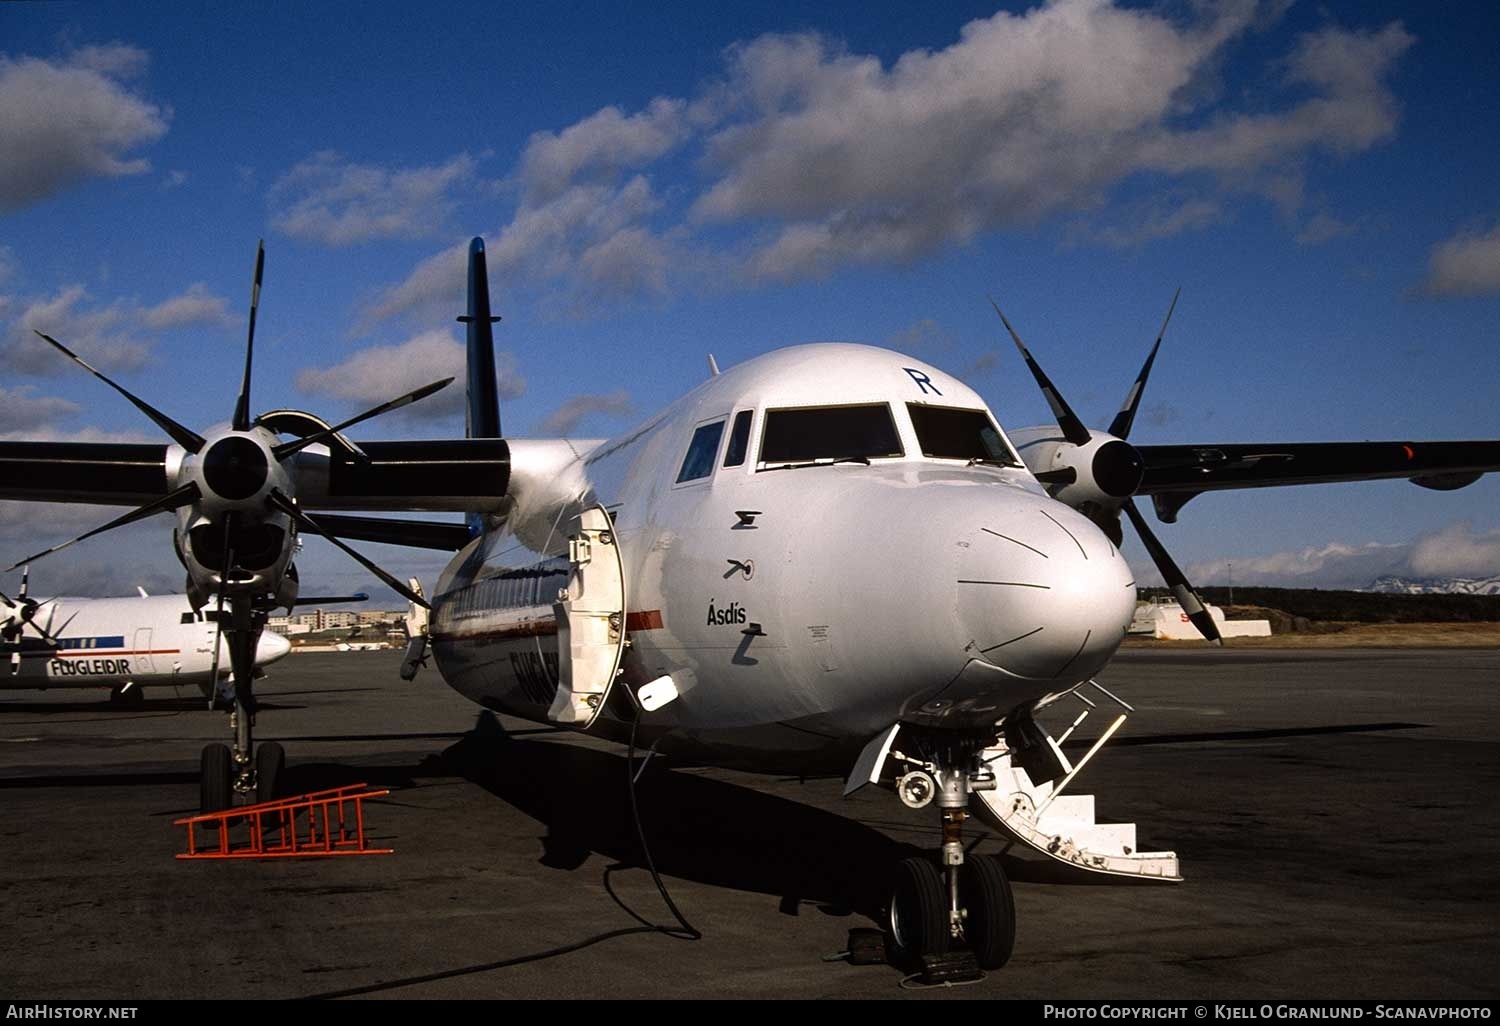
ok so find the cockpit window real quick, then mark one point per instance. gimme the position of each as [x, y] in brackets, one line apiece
[739, 440]
[949, 434]
[829, 433]
[699, 461]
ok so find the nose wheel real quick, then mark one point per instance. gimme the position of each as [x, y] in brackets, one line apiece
[965, 902]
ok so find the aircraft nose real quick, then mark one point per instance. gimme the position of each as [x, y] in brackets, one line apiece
[271, 648]
[1043, 593]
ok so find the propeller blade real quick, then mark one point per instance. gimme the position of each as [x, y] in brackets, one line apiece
[242, 405]
[175, 499]
[1186, 597]
[1072, 428]
[1120, 426]
[286, 449]
[189, 440]
[287, 506]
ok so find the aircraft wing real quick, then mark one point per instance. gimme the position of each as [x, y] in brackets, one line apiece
[456, 475]
[1176, 473]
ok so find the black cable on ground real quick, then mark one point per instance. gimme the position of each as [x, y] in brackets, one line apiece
[684, 930]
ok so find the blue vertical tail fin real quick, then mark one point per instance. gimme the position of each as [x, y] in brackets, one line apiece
[482, 416]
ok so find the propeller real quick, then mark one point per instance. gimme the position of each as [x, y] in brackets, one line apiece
[14, 628]
[238, 479]
[1116, 467]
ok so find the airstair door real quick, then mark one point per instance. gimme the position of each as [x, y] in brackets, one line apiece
[140, 662]
[590, 620]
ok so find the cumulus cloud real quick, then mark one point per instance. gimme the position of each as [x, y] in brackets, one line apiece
[811, 157]
[1457, 551]
[377, 373]
[335, 202]
[592, 237]
[20, 410]
[566, 418]
[1026, 115]
[194, 306]
[601, 145]
[103, 335]
[69, 119]
[1454, 551]
[111, 337]
[1468, 264]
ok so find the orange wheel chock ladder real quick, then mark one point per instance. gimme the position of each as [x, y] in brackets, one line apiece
[322, 823]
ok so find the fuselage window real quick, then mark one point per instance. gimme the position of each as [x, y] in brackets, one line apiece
[739, 440]
[829, 433]
[949, 434]
[699, 461]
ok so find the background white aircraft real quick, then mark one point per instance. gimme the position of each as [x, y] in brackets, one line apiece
[830, 557]
[123, 644]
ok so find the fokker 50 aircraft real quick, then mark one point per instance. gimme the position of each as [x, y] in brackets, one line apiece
[123, 644]
[830, 558]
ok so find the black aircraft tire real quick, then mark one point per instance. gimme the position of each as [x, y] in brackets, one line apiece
[215, 786]
[917, 921]
[270, 760]
[990, 911]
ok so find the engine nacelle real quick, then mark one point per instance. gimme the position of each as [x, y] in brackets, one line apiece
[1099, 475]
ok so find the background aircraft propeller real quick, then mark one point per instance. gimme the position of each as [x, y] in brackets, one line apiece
[24, 615]
[1117, 469]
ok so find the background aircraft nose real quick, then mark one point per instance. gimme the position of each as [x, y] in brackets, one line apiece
[1043, 592]
[271, 648]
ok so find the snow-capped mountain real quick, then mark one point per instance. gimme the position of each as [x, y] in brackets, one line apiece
[1393, 585]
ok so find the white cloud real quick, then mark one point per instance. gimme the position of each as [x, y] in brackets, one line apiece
[63, 121]
[194, 306]
[21, 411]
[1457, 551]
[1468, 264]
[335, 202]
[1454, 551]
[592, 237]
[601, 145]
[812, 157]
[104, 336]
[1026, 115]
[566, 418]
[109, 337]
[378, 373]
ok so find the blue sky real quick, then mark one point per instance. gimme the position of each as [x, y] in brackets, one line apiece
[657, 182]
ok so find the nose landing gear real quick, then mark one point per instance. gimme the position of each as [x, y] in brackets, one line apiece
[965, 902]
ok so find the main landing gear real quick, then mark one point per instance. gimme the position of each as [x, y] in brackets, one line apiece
[964, 902]
[250, 772]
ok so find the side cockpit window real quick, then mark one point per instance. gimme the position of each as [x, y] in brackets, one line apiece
[739, 440]
[951, 434]
[829, 434]
[699, 461]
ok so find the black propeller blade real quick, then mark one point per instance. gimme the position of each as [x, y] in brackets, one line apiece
[1072, 428]
[290, 508]
[286, 449]
[1120, 426]
[242, 405]
[174, 499]
[189, 440]
[1186, 597]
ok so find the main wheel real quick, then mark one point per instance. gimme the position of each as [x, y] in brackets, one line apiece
[918, 918]
[127, 698]
[270, 759]
[989, 911]
[215, 784]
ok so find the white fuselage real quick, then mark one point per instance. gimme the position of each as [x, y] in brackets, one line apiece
[799, 606]
[112, 642]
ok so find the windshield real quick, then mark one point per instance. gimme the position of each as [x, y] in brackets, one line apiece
[949, 434]
[829, 433]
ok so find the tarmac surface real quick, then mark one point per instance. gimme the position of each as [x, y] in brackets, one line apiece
[1334, 812]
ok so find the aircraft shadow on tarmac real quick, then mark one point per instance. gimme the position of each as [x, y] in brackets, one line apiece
[698, 829]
